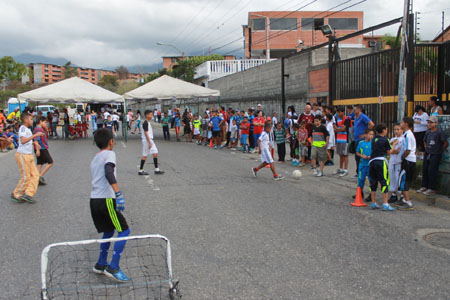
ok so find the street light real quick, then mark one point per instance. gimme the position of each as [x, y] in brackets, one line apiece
[267, 34]
[168, 45]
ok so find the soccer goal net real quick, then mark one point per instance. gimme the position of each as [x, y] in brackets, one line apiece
[66, 270]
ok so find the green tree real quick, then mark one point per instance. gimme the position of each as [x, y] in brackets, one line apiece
[108, 80]
[69, 71]
[186, 68]
[391, 41]
[122, 72]
[11, 70]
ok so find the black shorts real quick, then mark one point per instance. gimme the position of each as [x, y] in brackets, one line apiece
[378, 173]
[216, 134]
[44, 157]
[407, 173]
[187, 129]
[419, 140]
[105, 216]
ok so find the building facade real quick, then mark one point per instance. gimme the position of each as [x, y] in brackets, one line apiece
[289, 32]
[169, 62]
[48, 73]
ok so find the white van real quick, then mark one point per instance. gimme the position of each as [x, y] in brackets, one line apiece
[45, 109]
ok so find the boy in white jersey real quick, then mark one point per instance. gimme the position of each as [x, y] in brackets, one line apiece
[395, 163]
[148, 145]
[264, 145]
[107, 203]
[29, 180]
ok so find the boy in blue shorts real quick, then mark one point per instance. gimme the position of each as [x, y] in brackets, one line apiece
[107, 204]
[364, 150]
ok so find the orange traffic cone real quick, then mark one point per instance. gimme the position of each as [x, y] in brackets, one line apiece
[358, 199]
[211, 143]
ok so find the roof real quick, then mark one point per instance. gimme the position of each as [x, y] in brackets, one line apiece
[439, 36]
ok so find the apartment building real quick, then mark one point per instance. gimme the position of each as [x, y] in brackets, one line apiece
[48, 73]
[289, 32]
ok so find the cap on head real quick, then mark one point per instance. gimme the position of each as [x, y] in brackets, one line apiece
[433, 119]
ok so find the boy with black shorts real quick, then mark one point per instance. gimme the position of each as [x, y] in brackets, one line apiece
[148, 145]
[378, 168]
[107, 204]
[41, 146]
[216, 122]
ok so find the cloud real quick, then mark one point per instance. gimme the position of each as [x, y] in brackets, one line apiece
[98, 33]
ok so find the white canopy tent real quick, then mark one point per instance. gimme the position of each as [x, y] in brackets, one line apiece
[167, 87]
[71, 90]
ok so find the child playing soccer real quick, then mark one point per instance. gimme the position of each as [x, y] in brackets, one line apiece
[378, 170]
[264, 150]
[148, 145]
[42, 154]
[395, 163]
[364, 150]
[28, 183]
[245, 131]
[106, 204]
[320, 138]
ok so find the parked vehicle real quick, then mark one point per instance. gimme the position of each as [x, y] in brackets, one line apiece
[45, 109]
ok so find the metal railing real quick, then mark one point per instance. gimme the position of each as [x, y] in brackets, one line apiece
[218, 68]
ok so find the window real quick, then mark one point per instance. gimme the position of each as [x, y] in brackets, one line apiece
[259, 24]
[283, 24]
[343, 23]
[312, 23]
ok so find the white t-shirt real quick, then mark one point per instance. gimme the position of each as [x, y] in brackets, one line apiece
[274, 121]
[105, 115]
[423, 126]
[115, 117]
[265, 140]
[146, 127]
[100, 185]
[26, 148]
[410, 142]
[330, 129]
[397, 158]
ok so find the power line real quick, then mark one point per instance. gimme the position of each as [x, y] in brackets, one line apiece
[210, 13]
[433, 11]
[279, 34]
[212, 29]
[277, 20]
[190, 22]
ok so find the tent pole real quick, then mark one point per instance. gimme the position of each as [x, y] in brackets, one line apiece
[124, 121]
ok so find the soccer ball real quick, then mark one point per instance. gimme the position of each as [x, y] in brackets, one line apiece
[297, 174]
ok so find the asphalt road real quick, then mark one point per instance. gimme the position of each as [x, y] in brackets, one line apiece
[233, 236]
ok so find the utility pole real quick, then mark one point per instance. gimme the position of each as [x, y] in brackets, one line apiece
[442, 26]
[402, 63]
[267, 38]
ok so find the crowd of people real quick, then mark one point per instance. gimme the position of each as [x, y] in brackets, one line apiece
[319, 133]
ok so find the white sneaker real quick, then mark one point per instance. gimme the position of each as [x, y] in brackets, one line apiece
[319, 174]
[429, 192]
[315, 172]
[343, 173]
[421, 190]
[338, 171]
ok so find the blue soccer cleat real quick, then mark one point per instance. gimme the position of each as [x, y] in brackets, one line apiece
[387, 207]
[374, 206]
[116, 274]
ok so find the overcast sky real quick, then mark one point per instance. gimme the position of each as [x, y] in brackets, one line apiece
[98, 33]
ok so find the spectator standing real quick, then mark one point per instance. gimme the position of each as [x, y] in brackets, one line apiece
[55, 121]
[320, 139]
[258, 125]
[308, 117]
[331, 142]
[361, 123]
[165, 126]
[435, 108]
[66, 125]
[342, 141]
[420, 118]
[280, 138]
[435, 144]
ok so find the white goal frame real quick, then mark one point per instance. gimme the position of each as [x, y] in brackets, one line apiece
[44, 255]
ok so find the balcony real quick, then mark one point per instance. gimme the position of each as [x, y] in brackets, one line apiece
[215, 69]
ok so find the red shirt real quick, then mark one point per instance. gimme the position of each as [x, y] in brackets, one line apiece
[245, 128]
[258, 128]
[309, 119]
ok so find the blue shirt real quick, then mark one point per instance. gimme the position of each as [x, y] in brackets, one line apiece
[287, 123]
[364, 148]
[177, 122]
[359, 126]
[250, 120]
[216, 122]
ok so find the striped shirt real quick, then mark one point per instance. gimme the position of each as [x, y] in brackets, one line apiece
[279, 136]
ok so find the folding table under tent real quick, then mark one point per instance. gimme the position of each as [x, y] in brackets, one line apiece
[73, 90]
